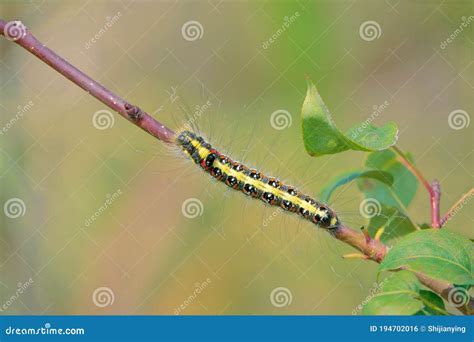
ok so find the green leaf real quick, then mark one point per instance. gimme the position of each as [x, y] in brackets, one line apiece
[398, 295]
[404, 186]
[439, 254]
[434, 304]
[321, 135]
[347, 177]
[396, 224]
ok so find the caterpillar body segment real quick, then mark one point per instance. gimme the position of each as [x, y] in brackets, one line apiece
[253, 183]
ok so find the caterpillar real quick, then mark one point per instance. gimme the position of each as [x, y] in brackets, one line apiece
[254, 183]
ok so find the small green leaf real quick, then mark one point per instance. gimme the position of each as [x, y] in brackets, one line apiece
[436, 253]
[399, 295]
[347, 177]
[321, 135]
[434, 304]
[404, 186]
[396, 224]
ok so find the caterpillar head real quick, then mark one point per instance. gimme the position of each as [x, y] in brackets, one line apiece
[327, 218]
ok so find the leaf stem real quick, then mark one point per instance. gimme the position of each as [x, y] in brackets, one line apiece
[434, 189]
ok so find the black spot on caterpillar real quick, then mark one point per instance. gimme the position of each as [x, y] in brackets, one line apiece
[253, 183]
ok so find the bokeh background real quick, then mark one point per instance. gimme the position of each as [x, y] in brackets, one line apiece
[142, 255]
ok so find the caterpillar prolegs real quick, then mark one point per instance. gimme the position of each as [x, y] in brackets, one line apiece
[253, 183]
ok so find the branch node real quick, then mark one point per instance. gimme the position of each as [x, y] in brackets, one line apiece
[133, 112]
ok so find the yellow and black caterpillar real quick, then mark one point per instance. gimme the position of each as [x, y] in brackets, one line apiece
[253, 183]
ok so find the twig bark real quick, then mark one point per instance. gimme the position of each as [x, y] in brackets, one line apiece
[371, 248]
[18, 33]
[434, 189]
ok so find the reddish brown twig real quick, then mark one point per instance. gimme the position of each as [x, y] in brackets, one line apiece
[21, 36]
[434, 189]
[371, 248]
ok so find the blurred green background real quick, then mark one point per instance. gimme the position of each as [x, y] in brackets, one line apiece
[142, 255]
